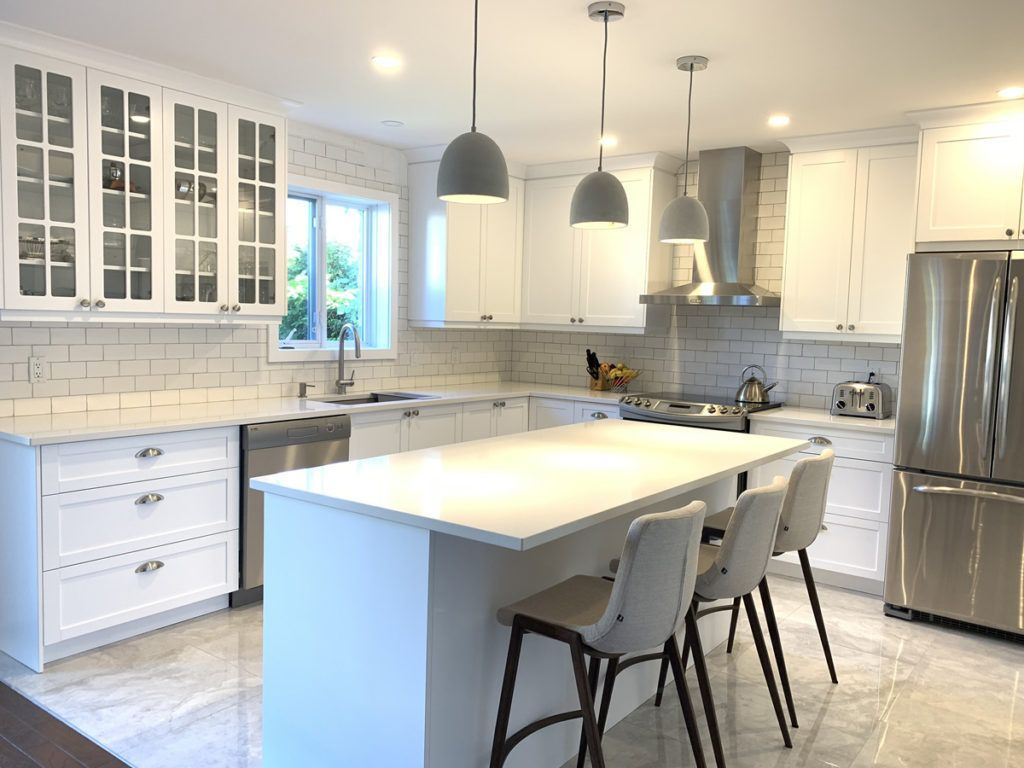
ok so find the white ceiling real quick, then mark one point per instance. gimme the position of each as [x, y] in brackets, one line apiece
[834, 65]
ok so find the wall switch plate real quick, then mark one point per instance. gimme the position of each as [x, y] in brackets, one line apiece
[37, 369]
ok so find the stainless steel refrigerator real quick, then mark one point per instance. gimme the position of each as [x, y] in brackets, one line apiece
[956, 534]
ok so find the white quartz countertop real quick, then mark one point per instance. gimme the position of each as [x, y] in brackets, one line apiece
[91, 425]
[814, 417]
[524, 490]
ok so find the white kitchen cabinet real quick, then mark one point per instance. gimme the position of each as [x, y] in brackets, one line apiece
[465, 262]
[126, 196]
[376, 434]
[849, 228]
[582, 279]
[550, 412]
[592, 412]
[494, 418]
[44, 183]
[970, 182]
[851, 552]
[257, 197]
[409, 429]
[432, 426]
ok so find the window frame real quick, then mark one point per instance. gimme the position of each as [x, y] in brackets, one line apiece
[382, 253]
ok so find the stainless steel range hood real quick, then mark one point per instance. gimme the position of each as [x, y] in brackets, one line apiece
[723, 267]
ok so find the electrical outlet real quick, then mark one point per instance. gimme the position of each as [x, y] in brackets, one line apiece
[37, 369]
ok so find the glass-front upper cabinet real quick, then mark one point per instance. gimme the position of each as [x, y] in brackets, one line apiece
[43, 183]
[196, 207]
[126, 193]
[258, 193]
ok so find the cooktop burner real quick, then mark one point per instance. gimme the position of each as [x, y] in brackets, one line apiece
[690, 410]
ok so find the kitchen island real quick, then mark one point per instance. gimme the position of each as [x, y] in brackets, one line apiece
[383, 576]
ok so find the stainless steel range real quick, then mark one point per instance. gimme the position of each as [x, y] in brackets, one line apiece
[690, 410]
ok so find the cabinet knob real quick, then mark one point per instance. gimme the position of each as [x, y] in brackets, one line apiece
[1009, 232]
[851, 327]
[483, 317]
[581, 320]
[819, 441]
[572, 319]
[839, 327]
[502, 403]
[236, 308]
[407, 414]
[84, 303]
[490, 317]
[416, 412]
[224, 307]
[100, 303]
[495, 404]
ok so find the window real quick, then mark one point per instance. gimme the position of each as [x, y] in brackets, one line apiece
[341, 269]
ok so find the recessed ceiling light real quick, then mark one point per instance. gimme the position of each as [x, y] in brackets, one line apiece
[609, 141]
[386, 62]
[778, 121]
[392, 123]
[1011, 92]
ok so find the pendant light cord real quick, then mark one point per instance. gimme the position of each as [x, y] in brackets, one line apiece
[476, 16]
[604, 85]
[689, 115]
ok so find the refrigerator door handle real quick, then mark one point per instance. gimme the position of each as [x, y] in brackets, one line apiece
[1006, 367]
[990, 364]
[946, 490]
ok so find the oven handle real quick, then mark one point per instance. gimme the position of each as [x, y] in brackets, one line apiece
[945, 490]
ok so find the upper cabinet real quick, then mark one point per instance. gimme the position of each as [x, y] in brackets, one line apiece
[465, 261]
[592, 279]
[44, 183]
[971, 177]
[122, 196]
[849, 228]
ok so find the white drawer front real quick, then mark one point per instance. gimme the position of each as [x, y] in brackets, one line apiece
[92, 596]
[589, 412]
[102, 522]
[850, 445]
[98, 463]
[851, 546]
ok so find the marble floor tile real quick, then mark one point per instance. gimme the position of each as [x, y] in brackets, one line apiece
[910, 695]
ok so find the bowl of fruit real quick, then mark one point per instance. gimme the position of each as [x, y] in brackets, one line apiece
[614, 377]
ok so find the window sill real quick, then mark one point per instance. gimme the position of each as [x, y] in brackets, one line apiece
[309, 354]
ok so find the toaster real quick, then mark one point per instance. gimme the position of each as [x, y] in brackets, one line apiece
[868, 399]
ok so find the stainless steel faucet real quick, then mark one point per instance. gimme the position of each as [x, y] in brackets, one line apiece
[342, 383]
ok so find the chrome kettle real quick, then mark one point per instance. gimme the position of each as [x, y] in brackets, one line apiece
[754, 390]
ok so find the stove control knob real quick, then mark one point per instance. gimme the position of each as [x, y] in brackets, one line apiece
[722, 409]
[647, 403]
[870, 406]
[840, 404]
[627, 400]
[711, 409]
[737, 409]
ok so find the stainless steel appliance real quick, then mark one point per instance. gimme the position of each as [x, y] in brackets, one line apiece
[956, 533]
[277, 447]
[690, 410]
[868, 399]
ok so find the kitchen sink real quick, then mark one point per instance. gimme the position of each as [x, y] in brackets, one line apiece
[372, 397]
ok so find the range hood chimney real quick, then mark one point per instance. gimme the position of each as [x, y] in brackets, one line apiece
[723, 268]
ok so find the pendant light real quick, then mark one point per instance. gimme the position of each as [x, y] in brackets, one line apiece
[472, 167]
[599, 201]
[685, 220]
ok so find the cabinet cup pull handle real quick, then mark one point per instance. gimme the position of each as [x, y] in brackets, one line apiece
[496, 404]
[599, 415]
[819, 441]
[150, 565]
[149, 453]
[149, 498]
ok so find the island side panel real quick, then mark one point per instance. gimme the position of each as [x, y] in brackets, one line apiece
[469, 581]
[345, 638]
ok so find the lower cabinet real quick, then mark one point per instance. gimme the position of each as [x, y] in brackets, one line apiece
[548, 412]
[850, 551]
[591, 412]
[494, 418]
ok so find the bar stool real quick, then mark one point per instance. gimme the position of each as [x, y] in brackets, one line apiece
[803, 513]
[644, 607]
[734, 570]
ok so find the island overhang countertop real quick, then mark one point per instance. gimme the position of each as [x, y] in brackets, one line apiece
[528, 489]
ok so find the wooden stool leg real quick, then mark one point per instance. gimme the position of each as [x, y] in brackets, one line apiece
[662, 678]
[766, 666]
[692, 640]
[590, 730]
[732, 624]
[592, 677]
[689, 717]
[780, 658]
[508, 685]
[606, 693]
[812, 593]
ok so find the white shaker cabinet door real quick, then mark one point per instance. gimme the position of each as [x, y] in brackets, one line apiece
[882, 237]
[970, 186]
[549, 412]
[551, 253]
[502, 283]
[464, 265]
[432, 426]
[511, 416]
[819, 226]
[376, 434]
[478, 420]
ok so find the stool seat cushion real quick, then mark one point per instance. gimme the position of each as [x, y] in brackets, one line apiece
[706, 558]
[575, 604]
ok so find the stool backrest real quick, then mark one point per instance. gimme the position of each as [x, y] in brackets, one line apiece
[803, 511]
[747, 544]
[654, 583]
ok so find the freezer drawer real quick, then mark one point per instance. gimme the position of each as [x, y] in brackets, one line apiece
[956, 549]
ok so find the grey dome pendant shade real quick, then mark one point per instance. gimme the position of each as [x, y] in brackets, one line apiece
[473, 169]
[599, 201]
[685, 220]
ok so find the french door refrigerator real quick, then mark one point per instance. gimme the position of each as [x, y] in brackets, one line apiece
[956, 534]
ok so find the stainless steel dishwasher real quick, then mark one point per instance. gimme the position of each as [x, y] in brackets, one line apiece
[277, 447]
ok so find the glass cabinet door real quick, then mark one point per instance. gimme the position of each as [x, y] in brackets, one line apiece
[258, 189]
[42, 121]
[195, 139]
[125, 132]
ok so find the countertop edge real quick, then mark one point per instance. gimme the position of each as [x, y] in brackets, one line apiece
[822, 418]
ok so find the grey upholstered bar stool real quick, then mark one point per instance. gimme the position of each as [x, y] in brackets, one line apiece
[644, 607]
[803, 513]
[734, 570]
